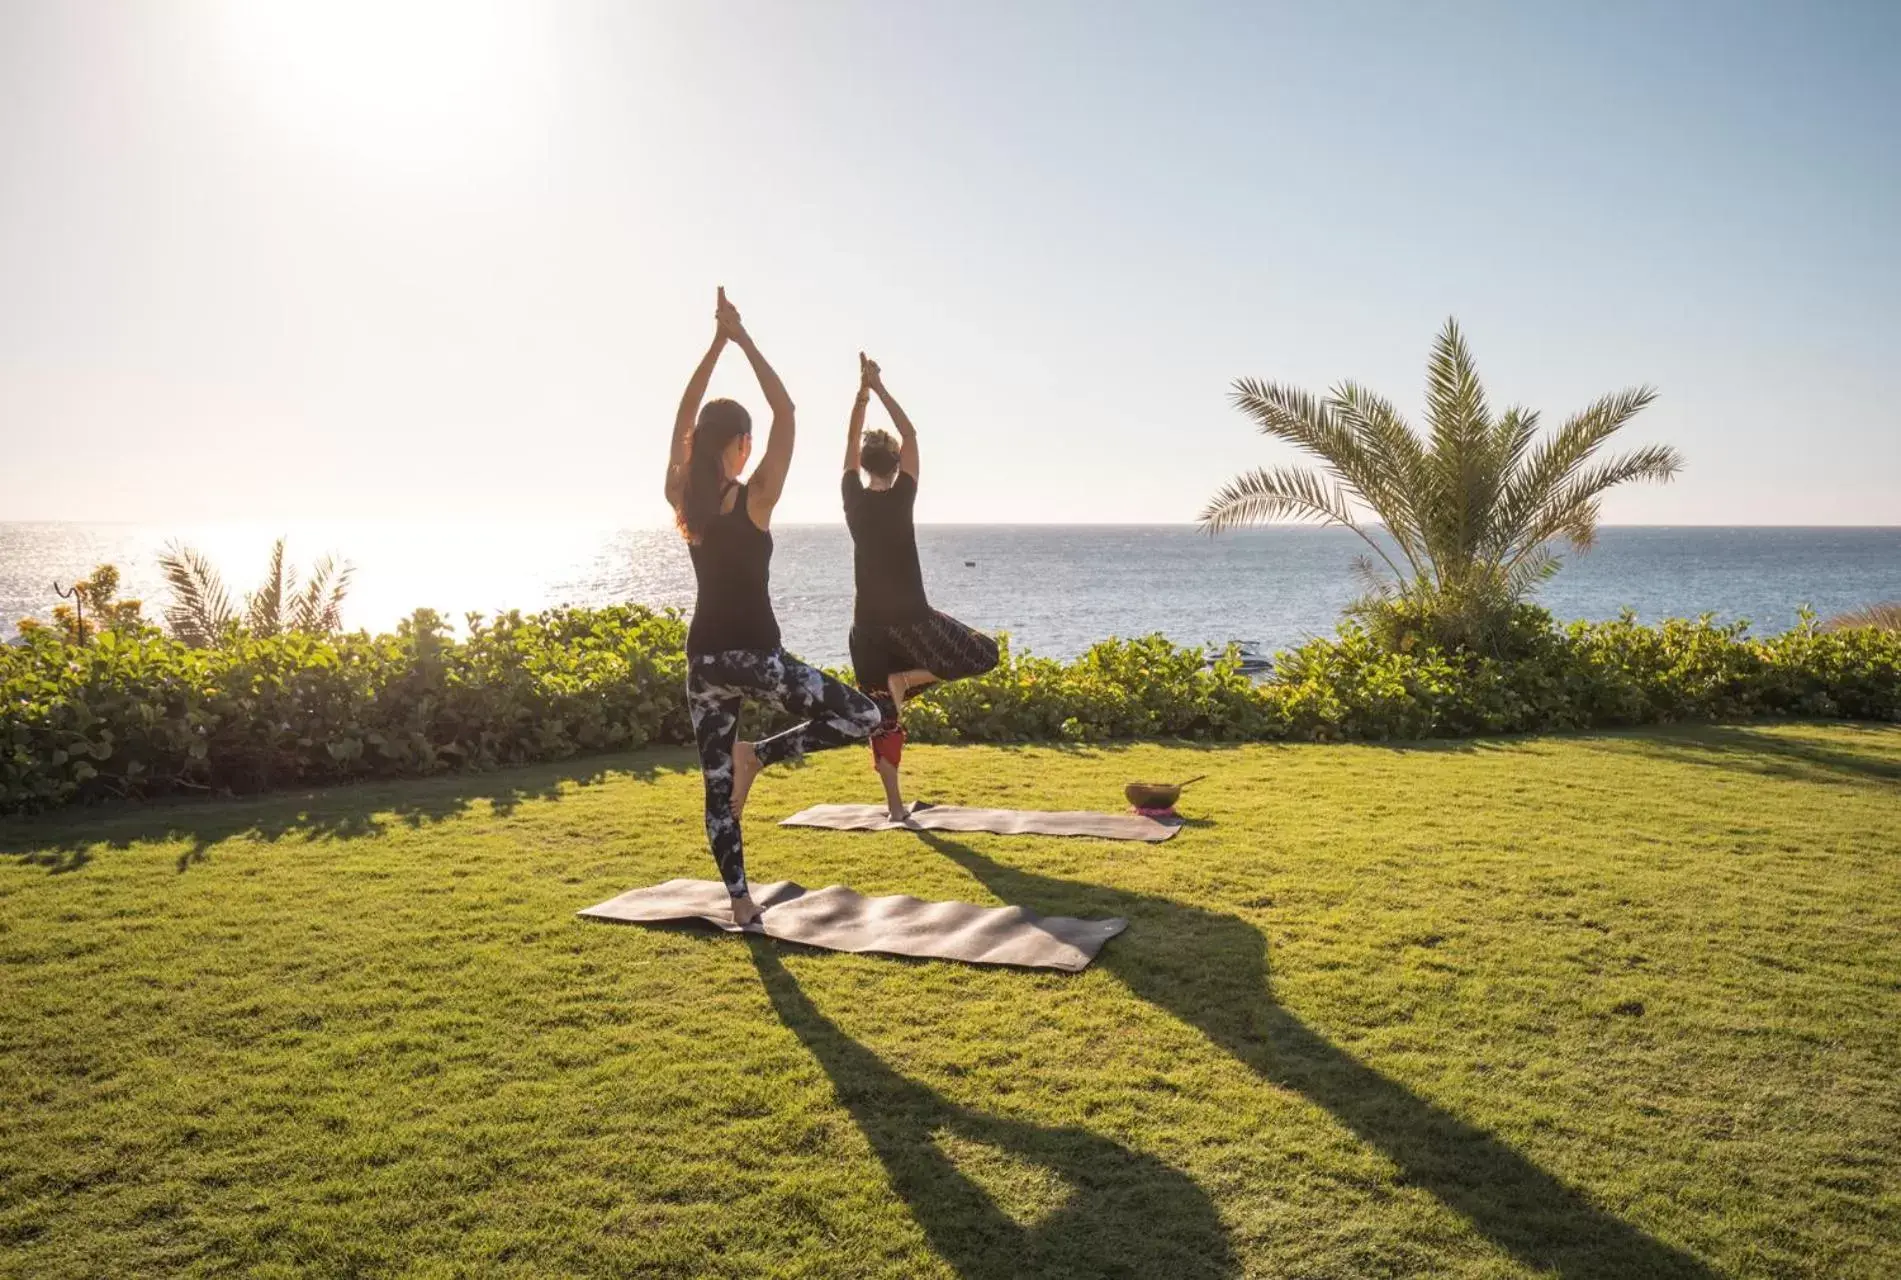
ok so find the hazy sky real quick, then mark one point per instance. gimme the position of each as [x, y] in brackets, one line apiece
[271, 260]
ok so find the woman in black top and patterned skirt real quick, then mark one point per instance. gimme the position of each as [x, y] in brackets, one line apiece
[732, 647]
[899, 644]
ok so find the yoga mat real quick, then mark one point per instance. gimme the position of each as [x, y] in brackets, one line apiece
[840, 920]
[1002, 822]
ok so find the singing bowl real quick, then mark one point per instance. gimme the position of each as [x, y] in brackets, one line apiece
[1156, 795]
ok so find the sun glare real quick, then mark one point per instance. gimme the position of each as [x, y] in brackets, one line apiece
[393, 78]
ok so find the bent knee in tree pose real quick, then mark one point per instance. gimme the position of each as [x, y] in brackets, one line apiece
[732, 645]
[899, 644]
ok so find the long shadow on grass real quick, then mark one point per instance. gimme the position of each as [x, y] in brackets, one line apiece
[1210, 970]
[1127, 1214]
[1773, 755]
[67, 841]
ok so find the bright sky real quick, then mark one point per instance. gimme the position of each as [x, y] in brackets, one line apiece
[273, 260]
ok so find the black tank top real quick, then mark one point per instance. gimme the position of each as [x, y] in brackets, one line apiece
[732, 563]
[884, 551]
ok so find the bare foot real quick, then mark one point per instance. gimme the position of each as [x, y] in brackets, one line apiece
[746, 767]
[745, 910]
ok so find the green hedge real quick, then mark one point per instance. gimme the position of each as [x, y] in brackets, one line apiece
[1588, 675]
[137, 714]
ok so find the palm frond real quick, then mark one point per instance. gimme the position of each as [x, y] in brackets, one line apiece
[1570, 511]
[1277, 493]
[318, 607]
[1455, 398]
[1531, 571]
[200, 611]
[1546, 468]
[1460, 471]
[264, 608]
[1375, 584]
[1293, 416]
[1358, 455]
[1512, 439]
[1398, 464]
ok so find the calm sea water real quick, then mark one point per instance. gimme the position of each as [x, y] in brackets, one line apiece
[1056, 589]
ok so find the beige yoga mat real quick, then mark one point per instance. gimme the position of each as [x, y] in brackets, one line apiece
[840, 920]
[1002, 822]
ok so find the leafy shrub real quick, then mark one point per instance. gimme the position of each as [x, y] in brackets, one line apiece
[1144, 688]
[1405, 623]
[94, 608]
[135, 713]
[145, 714]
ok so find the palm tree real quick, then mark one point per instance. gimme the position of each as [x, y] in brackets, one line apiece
[1469, 512]
[201, 614]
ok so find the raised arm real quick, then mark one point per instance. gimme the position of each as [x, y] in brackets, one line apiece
[855, 429]
[907, 455]
[768, 478]
[689, 412]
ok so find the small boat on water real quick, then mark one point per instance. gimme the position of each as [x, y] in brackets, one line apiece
[1251, 660]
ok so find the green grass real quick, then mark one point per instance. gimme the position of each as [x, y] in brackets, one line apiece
[1610, 1006]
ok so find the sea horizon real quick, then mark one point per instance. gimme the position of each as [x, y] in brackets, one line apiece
[1056, 588]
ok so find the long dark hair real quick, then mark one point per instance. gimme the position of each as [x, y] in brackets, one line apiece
[721, 422]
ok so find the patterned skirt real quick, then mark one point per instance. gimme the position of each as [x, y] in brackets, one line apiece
[938, 643]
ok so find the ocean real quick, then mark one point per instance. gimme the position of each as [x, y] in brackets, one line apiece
[1055, 589]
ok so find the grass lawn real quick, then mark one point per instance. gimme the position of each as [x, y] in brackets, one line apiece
[1609, 1006]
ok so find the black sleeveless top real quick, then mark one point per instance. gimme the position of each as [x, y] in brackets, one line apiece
[884, 551]
[732, 563]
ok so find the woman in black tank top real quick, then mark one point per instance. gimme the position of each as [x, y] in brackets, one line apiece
[732, 645]
[899, 644]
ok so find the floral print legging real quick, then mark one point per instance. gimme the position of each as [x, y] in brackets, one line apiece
[716, 684]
